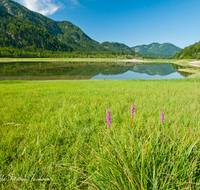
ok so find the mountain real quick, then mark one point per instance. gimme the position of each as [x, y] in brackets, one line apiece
[114, 46]
[191, 52]
[157, 50]
[22, 28]
[18, 33]
[76, 38]
[22, 12]
[65, 31]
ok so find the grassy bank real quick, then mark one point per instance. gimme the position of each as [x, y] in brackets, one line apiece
[88, 60]
[58, 59]
[54, 134]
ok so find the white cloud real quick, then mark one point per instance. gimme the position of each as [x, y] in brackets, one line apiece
[45, 7]
[75, 2]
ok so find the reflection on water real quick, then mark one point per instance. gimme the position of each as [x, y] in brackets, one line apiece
[75, 70]
[134, 75]
[145, 71]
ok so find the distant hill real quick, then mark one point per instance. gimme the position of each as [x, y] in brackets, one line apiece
[191, 52]
[157, 50]
[66, 32]
[114, 46]
[18, 33]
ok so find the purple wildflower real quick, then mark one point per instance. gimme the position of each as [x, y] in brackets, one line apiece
[108, 118]
[133, 110]
[162, 116]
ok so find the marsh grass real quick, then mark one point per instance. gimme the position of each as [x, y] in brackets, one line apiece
[54, 134]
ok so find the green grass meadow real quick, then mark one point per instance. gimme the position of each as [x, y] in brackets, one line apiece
[54, 134]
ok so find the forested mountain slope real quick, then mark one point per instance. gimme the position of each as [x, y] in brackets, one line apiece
[191, 52]
[115, 46]
[18, 33]
[65, 31]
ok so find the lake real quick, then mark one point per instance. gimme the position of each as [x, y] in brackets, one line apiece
[80, 70]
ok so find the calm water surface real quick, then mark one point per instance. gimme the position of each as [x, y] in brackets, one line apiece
[135, 75]
[75, 71]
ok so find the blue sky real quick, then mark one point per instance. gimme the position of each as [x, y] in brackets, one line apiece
[130, 22]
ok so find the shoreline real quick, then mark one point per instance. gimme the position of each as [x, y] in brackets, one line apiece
[135, 61]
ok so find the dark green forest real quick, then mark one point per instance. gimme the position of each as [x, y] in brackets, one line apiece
[114, 46]
[77, 39]
[191, 52]
[25, 35]
[40, 53]
[65, 32]
[23, 13]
